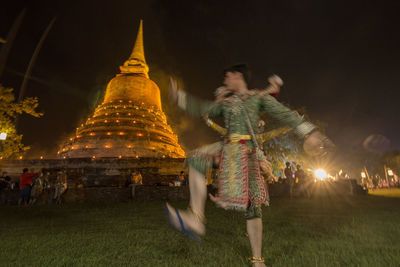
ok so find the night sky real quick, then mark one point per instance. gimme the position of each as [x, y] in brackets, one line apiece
[339, 59]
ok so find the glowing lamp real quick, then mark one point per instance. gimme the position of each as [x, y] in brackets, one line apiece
[93, 157]
[320, 174]
[119, 156]
[41, 157]
[3, 136]
[363, 175]
[139, 134]
[20, 157]
[109, 133]
[390, 172]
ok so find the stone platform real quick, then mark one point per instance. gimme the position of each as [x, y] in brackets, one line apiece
[103, 179]
[102, 172]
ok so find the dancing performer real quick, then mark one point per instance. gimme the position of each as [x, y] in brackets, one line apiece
[240, 160]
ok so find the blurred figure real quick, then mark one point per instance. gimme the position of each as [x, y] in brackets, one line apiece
[181, 178]
[39, 185]
[290, 180]
[136, 179]
[304, 181]
[5, 186]
[364, 183]
[25, 185]
[5, 181]
[239, 158]
[60, 186]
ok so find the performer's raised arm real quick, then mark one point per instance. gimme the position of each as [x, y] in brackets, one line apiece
[192, 105]
[286, 116]
[315, 143]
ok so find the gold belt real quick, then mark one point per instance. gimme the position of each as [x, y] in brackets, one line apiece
[237, 137]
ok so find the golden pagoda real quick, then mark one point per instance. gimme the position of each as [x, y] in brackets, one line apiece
[130, 121]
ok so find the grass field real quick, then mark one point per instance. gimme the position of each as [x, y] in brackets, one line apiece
[354, 231]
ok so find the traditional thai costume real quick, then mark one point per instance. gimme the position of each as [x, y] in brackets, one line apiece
[240, 182]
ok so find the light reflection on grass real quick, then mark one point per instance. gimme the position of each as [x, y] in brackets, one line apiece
[385, 192]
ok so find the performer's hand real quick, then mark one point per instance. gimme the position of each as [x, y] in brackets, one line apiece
[276, 83]
[275, 80]
[318, 144]
[173, 89]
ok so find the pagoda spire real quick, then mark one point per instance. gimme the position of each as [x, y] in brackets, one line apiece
[137, 62]
[138, 49]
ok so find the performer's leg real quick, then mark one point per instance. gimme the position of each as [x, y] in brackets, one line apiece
[198, 191]
[254, 230]
[193, 219]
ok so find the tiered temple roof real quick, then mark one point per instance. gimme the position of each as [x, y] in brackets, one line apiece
[130, 121]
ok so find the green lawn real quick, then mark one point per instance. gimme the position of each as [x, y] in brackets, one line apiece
[356, 231]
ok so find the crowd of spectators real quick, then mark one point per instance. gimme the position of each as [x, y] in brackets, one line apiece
[32, 187]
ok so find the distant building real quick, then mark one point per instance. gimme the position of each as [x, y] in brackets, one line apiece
[130, 121]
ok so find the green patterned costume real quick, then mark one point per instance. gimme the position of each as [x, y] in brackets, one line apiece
[240, 183]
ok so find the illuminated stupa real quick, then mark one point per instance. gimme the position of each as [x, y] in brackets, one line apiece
[130, 121]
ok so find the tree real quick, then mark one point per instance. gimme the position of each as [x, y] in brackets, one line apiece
[287, 147]
[9, 110]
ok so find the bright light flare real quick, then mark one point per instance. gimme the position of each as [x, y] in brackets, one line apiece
[320, 174]
[390, 172]
[3, 136]
[363, 175]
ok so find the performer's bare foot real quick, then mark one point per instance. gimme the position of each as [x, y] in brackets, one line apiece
[191, 221]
